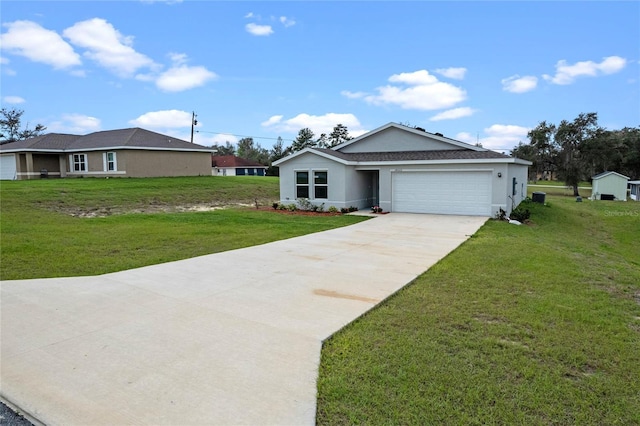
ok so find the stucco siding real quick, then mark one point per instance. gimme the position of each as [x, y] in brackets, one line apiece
[311, 162]
[394, 140]
[166, 163]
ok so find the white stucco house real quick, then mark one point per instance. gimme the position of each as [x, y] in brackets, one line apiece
[405, 169]
[609, 186]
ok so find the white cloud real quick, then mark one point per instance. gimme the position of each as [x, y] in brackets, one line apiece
[353, 95]
[75, 124]
[221, 139]
[566, 74]
[287, 22]
[13, 100]
[28, 39]
[452, 114]
[455, 73]
[183, 77]
[501, 137]
[167, 119]
[415, 90]
[517, 84]
[177, 79]
[249, 15]
[259, 30]
[317, 123]
[106, 46]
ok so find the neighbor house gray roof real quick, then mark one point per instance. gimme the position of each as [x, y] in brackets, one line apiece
[134, 138]
[454, 154]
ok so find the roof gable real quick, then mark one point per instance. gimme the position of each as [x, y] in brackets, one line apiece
[608, 173]
[394, 137]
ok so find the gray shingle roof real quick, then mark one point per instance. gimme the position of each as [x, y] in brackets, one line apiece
[454, 154]
[50, 141]
[121, 138]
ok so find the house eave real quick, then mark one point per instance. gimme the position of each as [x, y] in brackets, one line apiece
[435, 162]
[104, 148]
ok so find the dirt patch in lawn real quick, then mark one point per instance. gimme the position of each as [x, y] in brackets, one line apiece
[148, 209]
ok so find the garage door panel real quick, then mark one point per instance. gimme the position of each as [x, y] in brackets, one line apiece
[466, 193]
[7, 167]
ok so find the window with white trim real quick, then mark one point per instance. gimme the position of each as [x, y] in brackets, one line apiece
[79, 162]
[110, 162]
[302, 184]
[320, 184]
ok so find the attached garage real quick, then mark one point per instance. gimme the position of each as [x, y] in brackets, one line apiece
[8, 167]
[408, 170]
[442, 192]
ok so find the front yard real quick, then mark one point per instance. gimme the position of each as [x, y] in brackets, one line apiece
[533, 325]
[72, 227]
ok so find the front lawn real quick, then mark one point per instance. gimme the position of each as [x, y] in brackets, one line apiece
[72, 227]
[530, 325]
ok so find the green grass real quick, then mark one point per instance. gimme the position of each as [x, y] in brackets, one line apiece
[532, 325]
[43, 232]
[554, 187]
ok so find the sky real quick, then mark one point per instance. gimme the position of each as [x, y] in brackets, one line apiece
[480, 71]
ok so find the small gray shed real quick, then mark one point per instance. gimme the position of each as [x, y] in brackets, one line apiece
[609, 186]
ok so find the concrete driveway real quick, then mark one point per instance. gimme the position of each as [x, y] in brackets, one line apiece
[228, 338]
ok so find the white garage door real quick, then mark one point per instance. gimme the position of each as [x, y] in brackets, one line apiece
[7, 167]
[463, 193]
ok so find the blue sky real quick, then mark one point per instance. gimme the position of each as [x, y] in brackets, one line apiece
[474, 71]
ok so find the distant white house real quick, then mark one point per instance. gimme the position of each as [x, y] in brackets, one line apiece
[230, 165]
[609, 186]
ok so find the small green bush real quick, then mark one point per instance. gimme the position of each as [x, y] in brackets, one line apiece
[333, 209]
[520, 214]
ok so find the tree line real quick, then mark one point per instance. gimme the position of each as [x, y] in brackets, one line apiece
[574, 151]
[249, 149]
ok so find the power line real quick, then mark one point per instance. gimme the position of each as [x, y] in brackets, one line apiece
[245, 136]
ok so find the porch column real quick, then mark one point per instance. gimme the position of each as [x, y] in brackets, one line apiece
[29, 158]
[62, 159]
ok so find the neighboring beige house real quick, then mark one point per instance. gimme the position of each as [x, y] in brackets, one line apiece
[609, 186]
[404, 169]
[131, 152]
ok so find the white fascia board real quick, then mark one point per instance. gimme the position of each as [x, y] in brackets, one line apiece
[48, 151]
[137, 148]
[312, 151]
[104, 148]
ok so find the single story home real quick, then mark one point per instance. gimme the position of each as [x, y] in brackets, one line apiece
[405, 169]
[230, 165]
[131, 152]
[609, 186]
[634, 190]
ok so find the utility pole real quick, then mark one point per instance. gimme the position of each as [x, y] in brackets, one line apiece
[194, 122]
